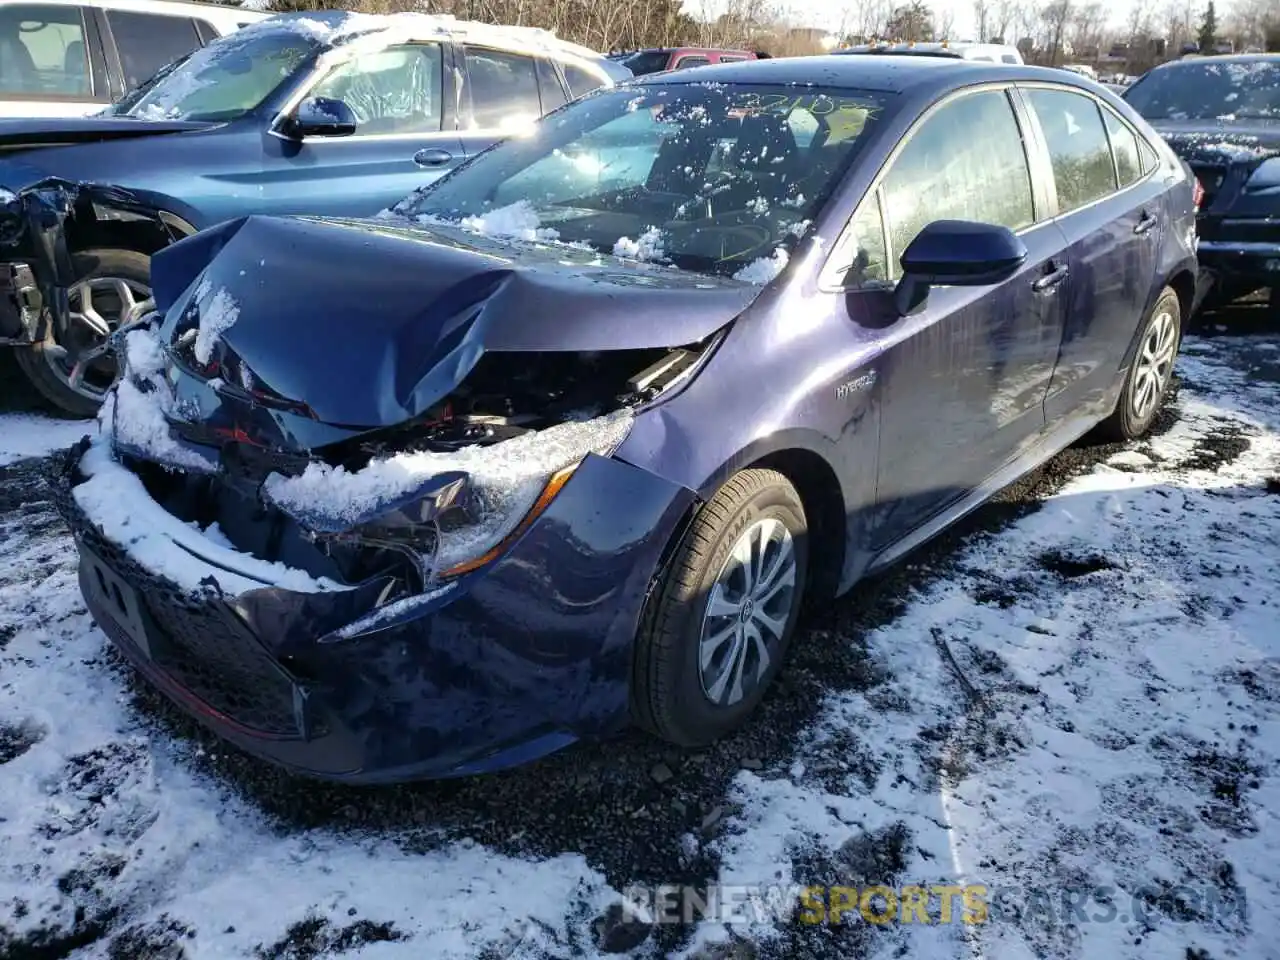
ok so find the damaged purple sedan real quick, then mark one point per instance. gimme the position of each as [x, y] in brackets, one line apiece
[562, 441]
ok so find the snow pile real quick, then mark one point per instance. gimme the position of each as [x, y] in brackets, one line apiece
[385, 615]
[517, 221]
[135, 419]
[135, 414]
[24, 435]
[505, 478]
[218, 312]
[143, 354]
[115, 500]
[648, 246]
[115, 840]
[764, 269]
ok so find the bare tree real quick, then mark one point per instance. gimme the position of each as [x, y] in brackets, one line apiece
[981, 17]
[1056, 16]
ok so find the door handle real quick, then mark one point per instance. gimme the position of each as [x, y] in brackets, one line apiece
[1145, 222]
[1051, 279]
[432, 157]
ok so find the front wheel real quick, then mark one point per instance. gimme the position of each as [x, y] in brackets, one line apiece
[715, 632]
[1150, 375]
[109, 284]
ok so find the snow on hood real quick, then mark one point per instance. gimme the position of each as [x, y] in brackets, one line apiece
[504, 478]
[218, 311]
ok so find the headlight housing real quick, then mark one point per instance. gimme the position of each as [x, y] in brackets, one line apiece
[459, 510]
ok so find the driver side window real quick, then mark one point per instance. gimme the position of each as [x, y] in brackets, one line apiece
[396, 90]
[945, 172]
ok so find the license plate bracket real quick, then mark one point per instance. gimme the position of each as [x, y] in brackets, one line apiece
[119, 598]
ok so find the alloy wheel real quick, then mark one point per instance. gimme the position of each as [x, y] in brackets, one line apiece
[747, 612]
[1154, 366]
[95, 307]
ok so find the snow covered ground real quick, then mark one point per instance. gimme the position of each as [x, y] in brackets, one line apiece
[24, 435]
[1073, 703]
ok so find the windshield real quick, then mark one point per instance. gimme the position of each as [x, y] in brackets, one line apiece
[712, 178]
[1205, 90]
[222, 81]
[647, 61]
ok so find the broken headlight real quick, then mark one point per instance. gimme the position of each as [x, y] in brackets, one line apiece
[454, 511]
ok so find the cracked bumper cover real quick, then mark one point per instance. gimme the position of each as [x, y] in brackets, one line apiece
[514, 661]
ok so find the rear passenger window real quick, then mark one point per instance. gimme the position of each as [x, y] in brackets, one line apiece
[504, 89]
[42, 52]
[946, 172]
[1148, 157]
[1124, 144]
[1008, 58]
[1078, 146]
[148, 42]
[580, 81]
[692, 62]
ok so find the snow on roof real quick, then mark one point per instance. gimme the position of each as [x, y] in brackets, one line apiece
[407, 27]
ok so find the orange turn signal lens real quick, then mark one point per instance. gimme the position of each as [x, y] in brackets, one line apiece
[553, 487]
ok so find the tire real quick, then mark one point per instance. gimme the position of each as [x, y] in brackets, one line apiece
[671, 696]
[53, 376]
[1161, 336]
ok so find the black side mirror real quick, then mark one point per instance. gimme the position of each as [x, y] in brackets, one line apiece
[322, 117]
[956, 253]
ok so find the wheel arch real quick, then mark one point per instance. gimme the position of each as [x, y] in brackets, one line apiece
[806, 458]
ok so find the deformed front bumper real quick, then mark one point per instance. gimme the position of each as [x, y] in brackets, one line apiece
[513, 661]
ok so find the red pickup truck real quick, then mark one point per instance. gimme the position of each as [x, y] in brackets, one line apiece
[658, 59]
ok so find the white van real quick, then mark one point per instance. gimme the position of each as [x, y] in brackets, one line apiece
[60, 58]
[988, 52]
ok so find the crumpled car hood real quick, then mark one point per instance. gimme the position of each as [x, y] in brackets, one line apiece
[63, 131]
[1220, 142]
[370, 322]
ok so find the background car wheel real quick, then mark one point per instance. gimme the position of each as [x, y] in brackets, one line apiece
[109, 283]
[715, 632]
[1151, 373]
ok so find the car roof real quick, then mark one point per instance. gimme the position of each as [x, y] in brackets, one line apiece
[1223, 58]
[339, 27]
[882, 73]
[206, 7]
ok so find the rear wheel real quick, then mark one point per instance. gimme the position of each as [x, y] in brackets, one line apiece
[109, 284]
[716, 631]
[1150, 375]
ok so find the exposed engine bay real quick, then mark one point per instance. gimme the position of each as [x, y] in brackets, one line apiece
[416, 501]
[508, 395]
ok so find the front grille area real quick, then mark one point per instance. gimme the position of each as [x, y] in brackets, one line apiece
[205, 648]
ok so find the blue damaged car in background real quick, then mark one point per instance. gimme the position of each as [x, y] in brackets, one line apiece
[560, 444]
[324, 113]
